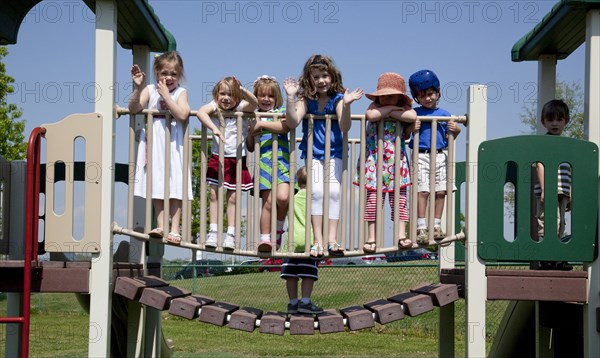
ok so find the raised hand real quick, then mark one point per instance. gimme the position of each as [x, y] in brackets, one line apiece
[350, 97]
[291, 86]
[137, 75]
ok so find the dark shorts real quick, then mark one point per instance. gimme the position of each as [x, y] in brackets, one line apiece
[300, 268]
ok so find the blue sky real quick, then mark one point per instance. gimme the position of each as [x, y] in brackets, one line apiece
[464, 42]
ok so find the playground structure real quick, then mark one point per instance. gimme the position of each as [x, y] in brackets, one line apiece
[482, 243]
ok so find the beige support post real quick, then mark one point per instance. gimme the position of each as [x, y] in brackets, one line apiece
[475, 281]
[101, 272]
[546, 85]
[136, 216]
[592, 132]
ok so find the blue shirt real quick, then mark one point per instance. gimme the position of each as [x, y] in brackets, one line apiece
[319, 130]
[425, 131]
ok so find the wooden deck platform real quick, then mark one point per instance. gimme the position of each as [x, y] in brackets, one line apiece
[527, 285]
[62, 276]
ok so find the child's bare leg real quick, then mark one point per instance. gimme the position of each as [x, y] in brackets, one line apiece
[440, 198]
[175, 212]
[212, 207]
[291, 283]
[422, 204]
[265, 214]
[283, 197]
[401, 230]
[231, 219]
[333, 227]
[317, 226]
[307, 286]
[370, 231]
[159, 206]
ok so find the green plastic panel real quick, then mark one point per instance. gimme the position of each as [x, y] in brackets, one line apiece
[510, 160]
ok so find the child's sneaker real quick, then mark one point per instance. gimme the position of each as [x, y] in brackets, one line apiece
[422, 237]
[211, 240]
[292, 308]
[229, 242]
[309, 308]
[438, 234]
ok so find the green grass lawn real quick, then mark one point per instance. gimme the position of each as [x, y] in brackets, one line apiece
[59, 324]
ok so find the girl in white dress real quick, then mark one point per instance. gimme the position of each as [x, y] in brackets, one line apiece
[165, 95]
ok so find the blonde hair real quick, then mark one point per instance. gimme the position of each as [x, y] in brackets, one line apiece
[323, 63]
[270, 85]
[234, 87]
[168, 57]
[301, 177]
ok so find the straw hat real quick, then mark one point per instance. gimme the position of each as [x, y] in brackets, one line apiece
[390, 83]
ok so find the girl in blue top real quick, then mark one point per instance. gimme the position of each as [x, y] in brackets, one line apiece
[319, 91]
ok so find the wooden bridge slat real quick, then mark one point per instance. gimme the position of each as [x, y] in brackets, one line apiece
[414, 303]
[358, 317]
[244, 319]
[160, 297]
[386, 311]
[330, 322]
[132, 288]
[441, 294]
[301, 323]
[273, 323]
[188, 306]
[217, 313]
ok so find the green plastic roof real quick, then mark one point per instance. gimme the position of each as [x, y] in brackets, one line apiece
[559, 33]
[137, 24]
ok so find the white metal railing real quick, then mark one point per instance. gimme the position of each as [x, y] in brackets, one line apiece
[247, 237]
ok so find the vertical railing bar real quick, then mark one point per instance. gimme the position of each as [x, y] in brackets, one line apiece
[432, 179]
[362, 189]
[238, 184]
[309, 179]
[149, 168]
[379, 185]
[186, 233]
[326, 180]
[131, 171]
[397, 173]
[344, 185]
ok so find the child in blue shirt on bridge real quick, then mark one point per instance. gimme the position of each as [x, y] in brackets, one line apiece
[425, 89]
[320, 91]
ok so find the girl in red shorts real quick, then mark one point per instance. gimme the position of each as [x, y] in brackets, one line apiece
[228, 96]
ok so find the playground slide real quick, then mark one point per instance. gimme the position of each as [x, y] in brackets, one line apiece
[516, 335]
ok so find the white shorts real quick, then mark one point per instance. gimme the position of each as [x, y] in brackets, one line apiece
[318, 181]
[441, 162]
